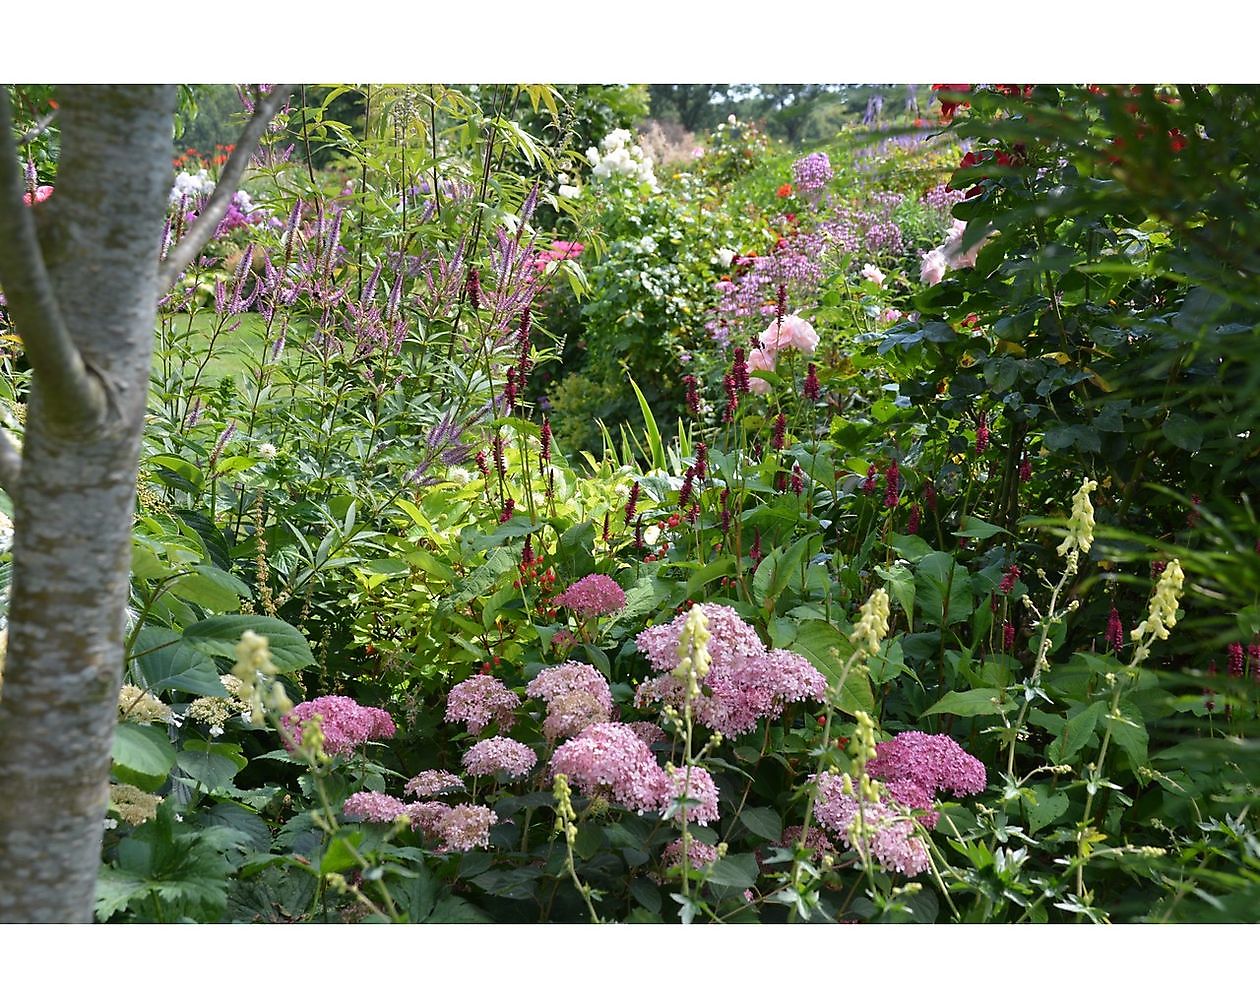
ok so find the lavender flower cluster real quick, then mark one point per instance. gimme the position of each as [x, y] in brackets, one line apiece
[812, 172]
[752, 291]
[942, 198]
[867, 230]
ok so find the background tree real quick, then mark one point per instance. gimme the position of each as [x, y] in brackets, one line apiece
[82, 277]
[696, 106]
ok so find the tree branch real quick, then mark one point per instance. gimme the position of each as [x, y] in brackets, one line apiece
[10, 464]
[74, 399]
[203, 228]
[34, 132]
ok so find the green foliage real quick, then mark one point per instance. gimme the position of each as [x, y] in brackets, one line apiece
[335, 466]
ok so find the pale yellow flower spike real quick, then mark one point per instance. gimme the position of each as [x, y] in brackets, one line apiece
[693, 650]
[872, 625]
[1162, 615]
[1080, 534]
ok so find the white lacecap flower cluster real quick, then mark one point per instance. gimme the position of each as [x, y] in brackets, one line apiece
[617, 154]
[191, 186]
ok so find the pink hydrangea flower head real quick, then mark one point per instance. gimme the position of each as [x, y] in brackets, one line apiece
[431, 782]
[787, 675]
[569, 713]
[668, 690]
[741, 690]
[699, 854]
[610, 758]
[697, 786]
[479, 700]
[731, 640]
[934, 762]
[794, 331]
[426, 815]
[383, 726]
[466, 826]
[593, 595]
[569, 677]
[649, 731]
[499, 755]
[373, 806]
[870, 827]
[345, 724]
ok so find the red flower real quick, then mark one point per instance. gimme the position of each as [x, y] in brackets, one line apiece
[948, 106]
[1176, 140]
[784, 191]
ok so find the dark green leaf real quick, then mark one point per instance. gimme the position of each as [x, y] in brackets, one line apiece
[762, 822]
[219, 636]
[738, 871]
[971, 703]
[143, 755]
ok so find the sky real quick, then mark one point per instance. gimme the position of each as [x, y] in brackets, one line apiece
[648, 41]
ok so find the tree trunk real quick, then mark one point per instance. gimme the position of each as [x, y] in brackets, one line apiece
[75, 498]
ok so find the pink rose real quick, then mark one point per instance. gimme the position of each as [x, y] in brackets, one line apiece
[794, 332]
[760, 360]
[874, 274]
[953, 251]
[933, 268]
